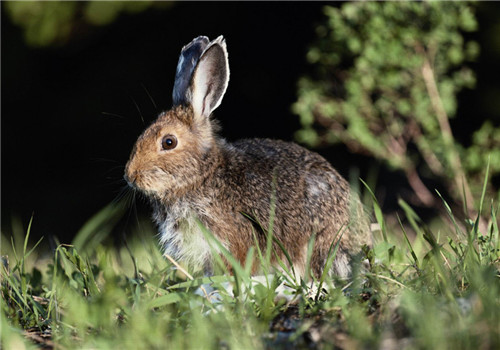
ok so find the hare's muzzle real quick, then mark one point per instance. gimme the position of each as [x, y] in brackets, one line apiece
[130, 175]
[130, 179]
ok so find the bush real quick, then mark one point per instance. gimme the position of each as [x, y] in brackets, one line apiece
[386, 85]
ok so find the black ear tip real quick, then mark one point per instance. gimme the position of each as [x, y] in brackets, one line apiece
[200, 40]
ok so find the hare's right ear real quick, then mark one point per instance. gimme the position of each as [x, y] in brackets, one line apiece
[210, 78]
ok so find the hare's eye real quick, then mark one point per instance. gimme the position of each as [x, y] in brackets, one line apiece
[168, 142]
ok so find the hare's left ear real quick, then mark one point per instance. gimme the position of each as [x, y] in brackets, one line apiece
[210, 78]
[188, 59]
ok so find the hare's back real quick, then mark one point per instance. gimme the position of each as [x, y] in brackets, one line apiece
[293, 167]
[310, 195]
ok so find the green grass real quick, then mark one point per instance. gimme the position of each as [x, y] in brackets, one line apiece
[436, 290]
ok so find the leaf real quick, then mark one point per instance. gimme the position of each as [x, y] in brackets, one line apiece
[167, 299]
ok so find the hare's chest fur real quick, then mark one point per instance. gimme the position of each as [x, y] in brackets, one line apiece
[182, 237]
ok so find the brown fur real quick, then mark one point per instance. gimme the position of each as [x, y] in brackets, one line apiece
[220, 184]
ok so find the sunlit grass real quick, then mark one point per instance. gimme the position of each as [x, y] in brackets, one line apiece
[435, 290]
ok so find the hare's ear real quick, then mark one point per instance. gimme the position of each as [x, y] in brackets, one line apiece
[210, 78]
[188, 59]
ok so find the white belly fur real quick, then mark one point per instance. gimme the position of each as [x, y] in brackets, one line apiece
[185, 243]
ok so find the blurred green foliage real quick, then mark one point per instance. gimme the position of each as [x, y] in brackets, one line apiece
[48, 23]
[386, 85]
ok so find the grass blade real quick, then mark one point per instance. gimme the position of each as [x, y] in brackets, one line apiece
[378, 212]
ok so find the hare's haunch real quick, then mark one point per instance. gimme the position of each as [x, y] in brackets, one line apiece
[192, 175]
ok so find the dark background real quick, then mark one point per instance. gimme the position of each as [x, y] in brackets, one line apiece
[71, 113]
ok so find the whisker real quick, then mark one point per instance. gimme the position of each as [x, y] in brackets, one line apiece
[138, 110]
[131, 195]
[150, 97]
[104, 160]
[136, 215]
[122, 196]
[115, 168]
[108, 114]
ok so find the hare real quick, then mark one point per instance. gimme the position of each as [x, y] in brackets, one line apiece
[192, 176]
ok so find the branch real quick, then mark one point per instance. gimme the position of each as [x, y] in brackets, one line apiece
[444, 125]
[430, 157]
[421, 191]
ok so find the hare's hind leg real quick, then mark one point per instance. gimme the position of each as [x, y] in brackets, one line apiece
[323, 253]
[341, 266]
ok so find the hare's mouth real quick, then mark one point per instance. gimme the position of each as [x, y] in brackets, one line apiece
[131, 179]
[152, 182]
[147, 191]
[136, 182]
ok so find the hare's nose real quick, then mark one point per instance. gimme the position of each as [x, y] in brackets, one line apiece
[130, 179]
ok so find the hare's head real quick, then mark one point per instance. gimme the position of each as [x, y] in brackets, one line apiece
[170, 157]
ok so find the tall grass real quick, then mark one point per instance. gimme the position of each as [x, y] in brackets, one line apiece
[438, 289]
